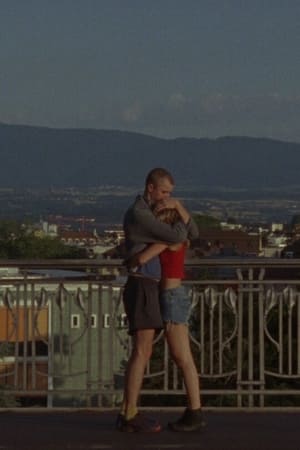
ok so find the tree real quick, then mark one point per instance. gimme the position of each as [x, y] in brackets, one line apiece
[18, 241]
[205, 221]
[7, 399]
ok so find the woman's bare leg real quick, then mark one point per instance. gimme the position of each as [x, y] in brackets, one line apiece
[179, 344]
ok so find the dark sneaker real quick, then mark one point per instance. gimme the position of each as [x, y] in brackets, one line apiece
[191, 420]
[138, 424]
[120, 421]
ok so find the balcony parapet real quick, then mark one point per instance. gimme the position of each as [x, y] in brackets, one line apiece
[64, 342]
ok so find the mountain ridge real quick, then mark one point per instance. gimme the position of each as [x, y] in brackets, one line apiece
[60, 157]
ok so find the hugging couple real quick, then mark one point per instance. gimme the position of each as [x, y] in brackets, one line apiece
[157, 231]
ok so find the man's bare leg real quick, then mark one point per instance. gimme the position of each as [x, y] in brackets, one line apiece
[140, 355]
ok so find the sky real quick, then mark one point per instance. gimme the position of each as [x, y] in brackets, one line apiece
[167, 68]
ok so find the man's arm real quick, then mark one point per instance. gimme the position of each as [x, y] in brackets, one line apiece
[193, 230]
[174, 203]
[150, 229]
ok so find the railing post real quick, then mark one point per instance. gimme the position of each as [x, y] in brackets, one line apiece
[261, 339]
[89, 345]
[100, 353]
[250, 338]
[240, 341]
[50, 355]
[25, 331]
[298, 334]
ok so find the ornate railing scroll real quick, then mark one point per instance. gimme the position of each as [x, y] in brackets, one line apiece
[64, 341]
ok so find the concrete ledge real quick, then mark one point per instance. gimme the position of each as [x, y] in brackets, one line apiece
[95, 429]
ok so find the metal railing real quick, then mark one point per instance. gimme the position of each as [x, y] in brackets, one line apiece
[64, 341]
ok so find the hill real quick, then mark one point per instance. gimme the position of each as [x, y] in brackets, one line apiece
[44, 157]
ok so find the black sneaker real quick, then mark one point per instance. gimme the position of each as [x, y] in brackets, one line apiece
[138, 424]
[191, 420]
[120, 421]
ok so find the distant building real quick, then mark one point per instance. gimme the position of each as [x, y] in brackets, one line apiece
[78, 238]
[275, 240]
[230, 226]
[61, 328]
[229, 242]
[117, 235]
[50, 229]
[277, 227]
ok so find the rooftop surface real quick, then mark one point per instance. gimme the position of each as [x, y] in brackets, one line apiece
[90, 429]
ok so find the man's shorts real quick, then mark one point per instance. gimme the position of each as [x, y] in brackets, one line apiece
[141, 304]
[175, 305]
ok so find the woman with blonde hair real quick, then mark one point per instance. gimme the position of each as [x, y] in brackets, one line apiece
[175, 304]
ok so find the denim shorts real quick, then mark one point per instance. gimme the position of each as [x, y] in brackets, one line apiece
[175, 305]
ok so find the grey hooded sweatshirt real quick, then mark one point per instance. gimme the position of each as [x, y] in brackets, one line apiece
[141, 227]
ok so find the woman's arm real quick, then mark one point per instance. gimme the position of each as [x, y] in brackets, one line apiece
[145, 255]
[150, 252]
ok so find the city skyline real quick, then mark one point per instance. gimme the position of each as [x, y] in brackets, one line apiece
[169, 69]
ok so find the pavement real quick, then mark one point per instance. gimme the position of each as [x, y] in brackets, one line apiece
[94, 429]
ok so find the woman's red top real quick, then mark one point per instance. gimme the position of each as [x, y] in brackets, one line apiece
[172, 262]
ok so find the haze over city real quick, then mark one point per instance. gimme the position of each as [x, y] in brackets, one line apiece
[93, 95]
[198, 68]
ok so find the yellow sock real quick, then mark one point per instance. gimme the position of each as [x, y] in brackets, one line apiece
[131, 412]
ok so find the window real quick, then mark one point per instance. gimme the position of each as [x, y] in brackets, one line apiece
[75, 321]
[106, 321]
[93, 321]
[123, 320]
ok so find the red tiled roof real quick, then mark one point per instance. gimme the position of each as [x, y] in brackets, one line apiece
[76, 235]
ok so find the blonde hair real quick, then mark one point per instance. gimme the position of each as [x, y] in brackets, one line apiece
[168, 215]
[171, 216]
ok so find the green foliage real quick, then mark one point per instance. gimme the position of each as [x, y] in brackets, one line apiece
[7, 399]
[18, 241]
[204, 221]
[33, 247]
[295, 219]
[9, 229]
[231, 220]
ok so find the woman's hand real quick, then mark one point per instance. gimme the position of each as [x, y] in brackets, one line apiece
[133, 262]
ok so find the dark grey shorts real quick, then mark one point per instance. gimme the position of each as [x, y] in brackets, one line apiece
[141, 304]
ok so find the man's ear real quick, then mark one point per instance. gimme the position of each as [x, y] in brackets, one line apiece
[150, 187]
